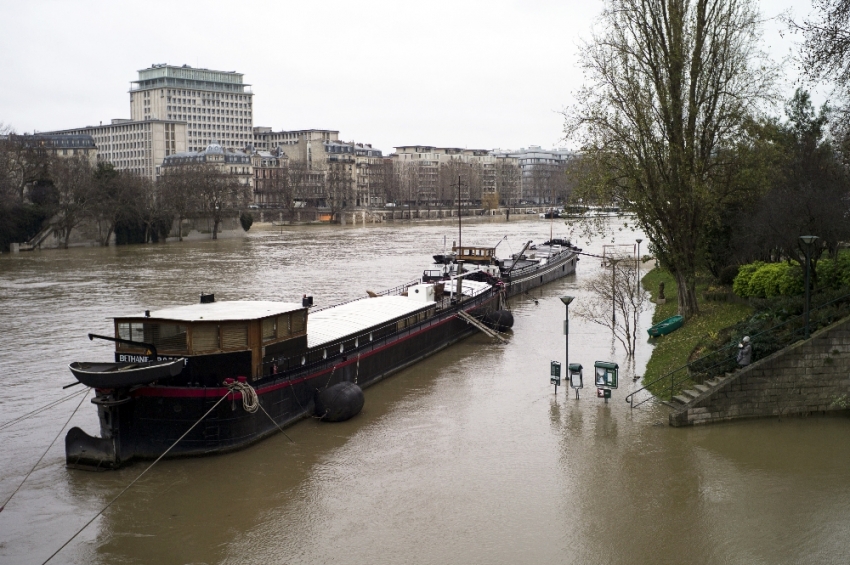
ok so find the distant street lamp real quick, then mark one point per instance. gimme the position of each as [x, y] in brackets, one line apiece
[613, 293]
[808, 240]
[566, 300]
[638, 252]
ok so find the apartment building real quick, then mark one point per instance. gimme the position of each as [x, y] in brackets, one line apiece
[217, 106]
[429, 173]
[228, 161]
[543, 172]
[54, 145]
[139, 147]
[271, 182]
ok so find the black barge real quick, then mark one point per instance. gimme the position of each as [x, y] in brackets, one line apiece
[280, 352]
[533, 266]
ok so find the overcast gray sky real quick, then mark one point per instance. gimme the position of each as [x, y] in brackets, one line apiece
[462, 74]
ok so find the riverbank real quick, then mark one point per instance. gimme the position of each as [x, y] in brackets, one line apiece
[86, 234]
[672, 351]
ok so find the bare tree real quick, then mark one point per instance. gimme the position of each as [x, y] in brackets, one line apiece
[672, 83]
[222, 194]
[826, 53]
[22, 163]
[507, 181]
[615, 300]
[299, 181]
[72, 177]
[339, 187]
[116, 196]
[180, 191]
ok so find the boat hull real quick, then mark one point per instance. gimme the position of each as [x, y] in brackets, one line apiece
[561, 266]
[156, 416]
[120, 375]
[666, 326]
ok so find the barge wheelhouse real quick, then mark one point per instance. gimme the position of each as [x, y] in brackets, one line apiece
[534, 266]
[283, 352]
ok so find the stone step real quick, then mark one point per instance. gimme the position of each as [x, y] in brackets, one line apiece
[672, 405]
[682, 399]
[713, 382]
[702, 388]
[690, 393]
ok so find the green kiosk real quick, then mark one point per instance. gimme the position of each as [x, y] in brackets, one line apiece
[606, 376]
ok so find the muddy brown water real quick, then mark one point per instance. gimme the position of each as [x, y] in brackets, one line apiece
[467, 457]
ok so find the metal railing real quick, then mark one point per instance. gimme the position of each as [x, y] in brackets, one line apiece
[723, 360]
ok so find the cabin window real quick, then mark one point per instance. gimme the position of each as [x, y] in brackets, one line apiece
[268, 329]
[204, 338]
[283, 329]
[171, 337]
[234, 336]
[130, 330]
[299, 322]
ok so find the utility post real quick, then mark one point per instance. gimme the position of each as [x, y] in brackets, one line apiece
[808, 240]
[459, 211]
[613, 293]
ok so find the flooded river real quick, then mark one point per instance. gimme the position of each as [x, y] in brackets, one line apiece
[468, 457]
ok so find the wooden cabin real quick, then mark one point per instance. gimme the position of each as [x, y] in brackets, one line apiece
[219, 339]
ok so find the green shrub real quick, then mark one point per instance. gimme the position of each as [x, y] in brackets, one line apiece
[766, 280]
[741, 284]
[834, 273]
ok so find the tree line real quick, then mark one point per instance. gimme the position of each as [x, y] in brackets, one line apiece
[38, 188]
[679, 125]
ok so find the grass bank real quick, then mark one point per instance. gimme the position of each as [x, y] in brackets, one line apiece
[672, 351]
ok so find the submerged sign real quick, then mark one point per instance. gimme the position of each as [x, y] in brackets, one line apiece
[555, 373]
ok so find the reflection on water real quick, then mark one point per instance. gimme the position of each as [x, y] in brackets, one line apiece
[468, 457]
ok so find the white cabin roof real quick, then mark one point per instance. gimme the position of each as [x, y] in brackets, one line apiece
[225, 311]
[334, 323]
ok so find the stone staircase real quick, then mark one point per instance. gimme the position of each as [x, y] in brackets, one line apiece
[685, 402]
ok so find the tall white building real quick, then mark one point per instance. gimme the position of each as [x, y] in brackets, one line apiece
[217, 106]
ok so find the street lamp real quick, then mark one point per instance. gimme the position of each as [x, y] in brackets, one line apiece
[808, 240]
[566, 300]
[613, 293]
[638, 253]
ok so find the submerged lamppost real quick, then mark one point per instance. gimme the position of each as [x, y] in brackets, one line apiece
[566, 300]
[808, 240]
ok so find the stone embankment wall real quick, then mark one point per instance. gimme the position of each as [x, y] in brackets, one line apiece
[808, 377]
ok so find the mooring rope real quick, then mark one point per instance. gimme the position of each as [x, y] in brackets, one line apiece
[46, 450]
[250, 400]
[158, 459]
[42, 409]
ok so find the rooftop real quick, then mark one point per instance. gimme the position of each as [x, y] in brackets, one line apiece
[331, 324]
[226, 311]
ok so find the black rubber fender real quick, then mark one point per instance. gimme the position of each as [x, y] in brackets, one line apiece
[339, 402]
